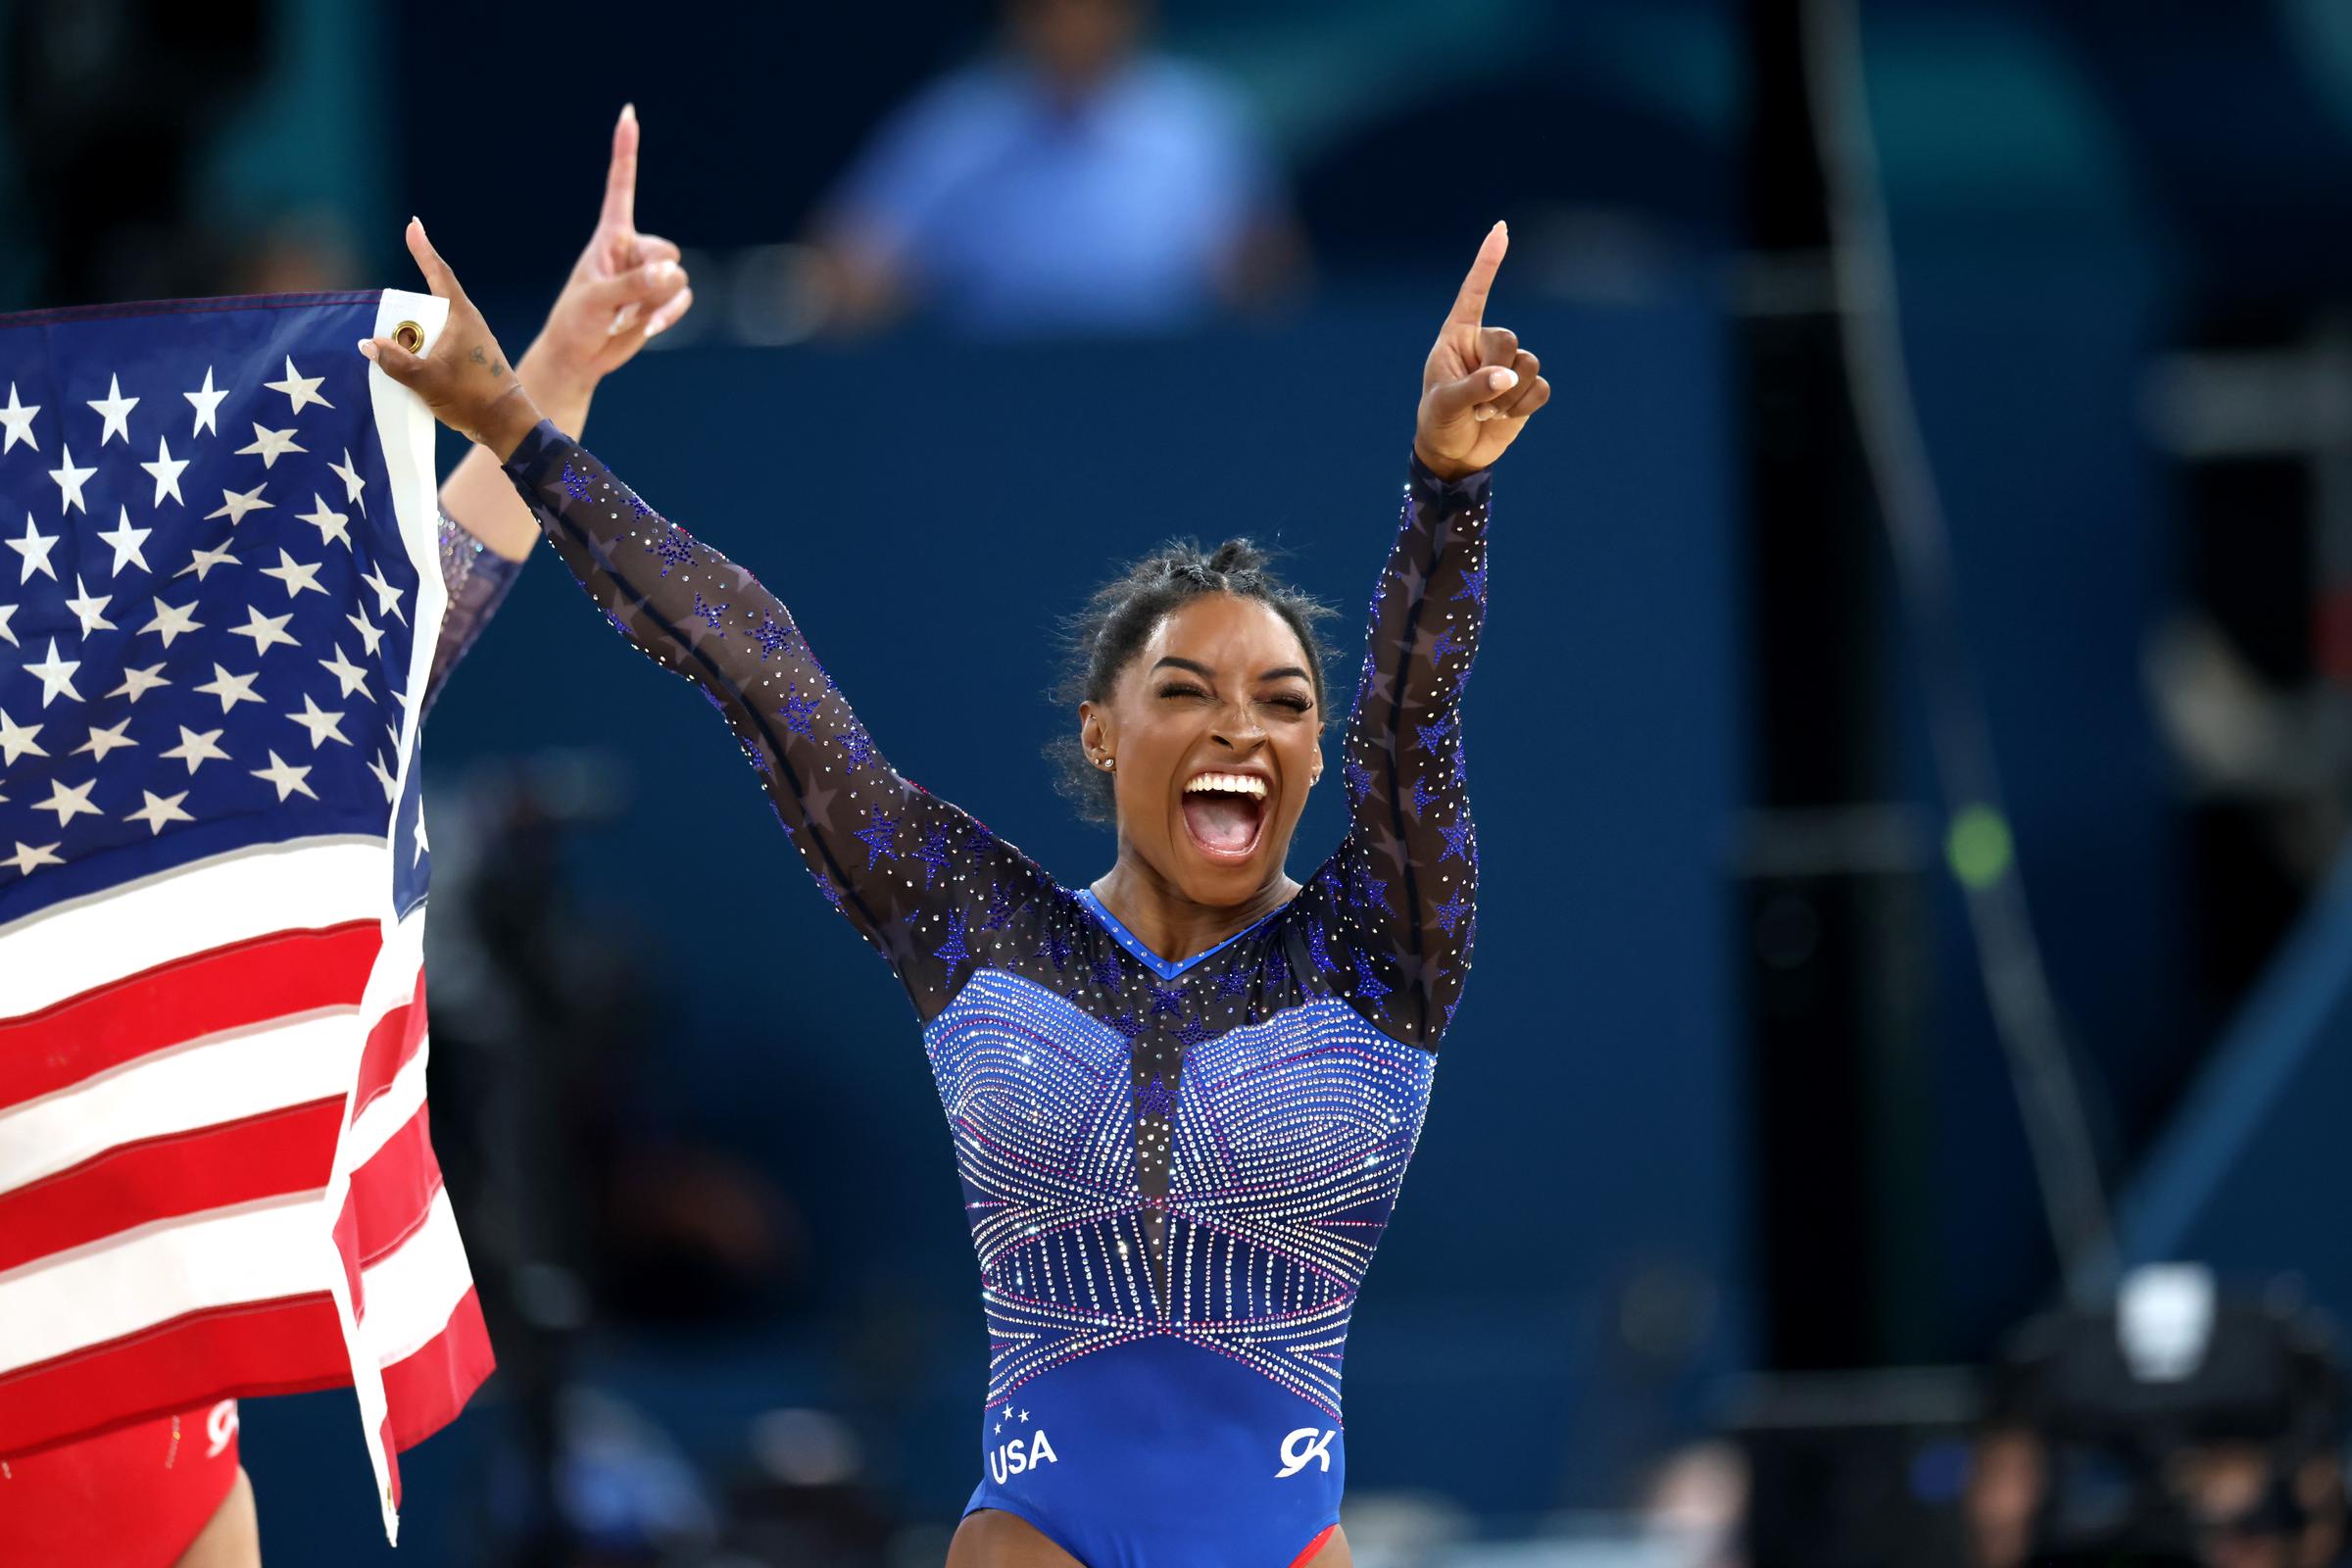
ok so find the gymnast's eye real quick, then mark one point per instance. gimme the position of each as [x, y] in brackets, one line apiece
[1292, 701]
[1181, 689]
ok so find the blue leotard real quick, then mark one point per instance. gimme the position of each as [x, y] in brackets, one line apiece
[1175, 1172]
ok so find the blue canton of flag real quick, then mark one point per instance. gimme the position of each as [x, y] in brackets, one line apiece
[208, 614]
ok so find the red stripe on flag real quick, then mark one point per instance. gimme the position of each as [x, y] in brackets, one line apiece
[393, 1190]
[259, 981]
[289, 1346]
[291, 1150]
[390, 1043]
[425, 1390]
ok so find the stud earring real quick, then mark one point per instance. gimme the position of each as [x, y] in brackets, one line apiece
[1108, 763]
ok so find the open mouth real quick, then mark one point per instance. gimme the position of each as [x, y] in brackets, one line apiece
[1225, 813]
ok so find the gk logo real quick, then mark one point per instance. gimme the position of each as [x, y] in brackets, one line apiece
[1301, 1446]
[220, 1426]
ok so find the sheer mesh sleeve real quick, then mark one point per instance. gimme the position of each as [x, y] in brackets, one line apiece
[917, 877]
[1399, 895]
[478, 580]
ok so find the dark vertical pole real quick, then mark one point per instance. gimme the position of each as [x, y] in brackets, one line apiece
[1830, 899]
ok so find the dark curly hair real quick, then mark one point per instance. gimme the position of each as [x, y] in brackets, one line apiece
[1100, 639]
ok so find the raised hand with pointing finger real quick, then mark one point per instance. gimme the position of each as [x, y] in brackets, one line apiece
[466, 379]
[1478, 386]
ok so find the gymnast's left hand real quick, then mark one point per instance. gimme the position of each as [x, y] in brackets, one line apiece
[1477, 387]
[465, 378]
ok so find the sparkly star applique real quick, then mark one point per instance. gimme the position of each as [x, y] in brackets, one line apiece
[881, 833]
[1458, 841]
[798, 711]
[1165, 999]
[1106, 972]
[637, 507]
[1371, 892]
[1446, 644]
[952, 952]
[1451, 914]
[858, 747]
[1368, 986]
[709, 612]
[1157, 1098]
[772, 637]
[1363, 684]
[1235, 981]
[1194, 1032]
[1474, 586]
[933, 851]
[1316, 950]
[1431, 734]
[1127, 1024]
[1360, 780]
[825, 885]
[1422, 796]
[578, 481]
[672, 547]
[1057, 945]
[999, 913]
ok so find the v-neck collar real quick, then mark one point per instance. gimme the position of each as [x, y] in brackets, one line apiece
[1163, 967]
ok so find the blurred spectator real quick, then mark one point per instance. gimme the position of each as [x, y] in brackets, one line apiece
[1073, 181]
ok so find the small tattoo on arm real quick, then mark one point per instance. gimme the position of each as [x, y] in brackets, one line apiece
[497, 368]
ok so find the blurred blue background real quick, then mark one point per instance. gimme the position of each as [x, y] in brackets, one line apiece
[2119, 233]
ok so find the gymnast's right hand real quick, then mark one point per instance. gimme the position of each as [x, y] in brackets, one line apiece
[466, 379]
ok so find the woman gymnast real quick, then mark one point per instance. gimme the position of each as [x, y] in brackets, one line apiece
[170, 1490]
[1182, 1099]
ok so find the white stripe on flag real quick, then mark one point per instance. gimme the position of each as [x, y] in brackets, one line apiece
[254, 1252]
[224, 1077]
[131, 927]
[412, 1290]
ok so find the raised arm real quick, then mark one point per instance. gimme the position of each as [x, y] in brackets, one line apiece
[627, 287]
[917, 877]
[1400, 892]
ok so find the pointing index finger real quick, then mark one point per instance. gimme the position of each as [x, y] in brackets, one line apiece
[1470, 305]
[620, 180]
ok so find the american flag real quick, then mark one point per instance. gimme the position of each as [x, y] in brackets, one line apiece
[218, 608]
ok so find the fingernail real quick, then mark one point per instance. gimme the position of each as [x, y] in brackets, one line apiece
[368, 347]
[1503, 380]
[656, 327]
[1480, 414]
[628, 111]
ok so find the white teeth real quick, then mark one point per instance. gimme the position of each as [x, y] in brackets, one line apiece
[1229, 783]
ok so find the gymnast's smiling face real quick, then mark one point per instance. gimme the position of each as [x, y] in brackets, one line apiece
[1213, 729]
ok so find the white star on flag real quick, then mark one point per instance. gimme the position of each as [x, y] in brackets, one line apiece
[348, 675]
[16, 740]
[294, 575]
[353, 484]
[288, 779]
[421, 844]
[369, 632]
[70, 482]
[127, 542]
[208, 404]
[137, 683]
[270, 444]
[266, 632]
[196, 749]
[160, 809]
[67, 803]
[203, 561]
[29, 856]
[322, 726]
[301, 390]
[103, 741]
[56, 675]
[230, 689]
[383, 776]
[35, 547]
[17, 421]
[170, 620]
[332, 525]
[7, 614]
[90, 608]
[115, 409]
[235, 504]
[166, 471]
[387, 597]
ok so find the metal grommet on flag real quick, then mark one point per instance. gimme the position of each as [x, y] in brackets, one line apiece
[408, 335]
